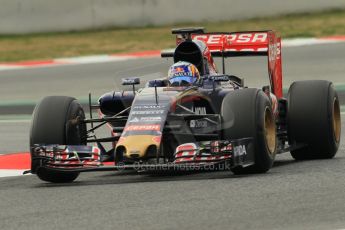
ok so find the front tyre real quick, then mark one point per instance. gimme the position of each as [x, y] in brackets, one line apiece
[313, 119]
[54, 123]
[248, 113]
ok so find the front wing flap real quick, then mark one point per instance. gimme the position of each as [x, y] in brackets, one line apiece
[67, 156]
[239, 152]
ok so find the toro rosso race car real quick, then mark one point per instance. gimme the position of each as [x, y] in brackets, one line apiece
[211, 121]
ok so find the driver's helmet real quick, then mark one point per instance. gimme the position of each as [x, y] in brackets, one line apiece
[183, 74]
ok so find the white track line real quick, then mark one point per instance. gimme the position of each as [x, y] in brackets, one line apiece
[11, 172]
[9, 67]
[15, 121]
[93, 59]
[307, 42]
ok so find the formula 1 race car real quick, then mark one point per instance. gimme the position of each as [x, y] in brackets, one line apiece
[216, 121]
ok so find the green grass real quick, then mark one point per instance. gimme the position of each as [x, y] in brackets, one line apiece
[121, 40]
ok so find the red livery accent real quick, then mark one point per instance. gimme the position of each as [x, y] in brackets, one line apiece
[143, 128]
[235, 42]
[188, 149]
[266, 43]
[15, 161]
[157, 139]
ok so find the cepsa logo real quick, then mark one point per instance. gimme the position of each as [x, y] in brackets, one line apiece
[214, 39]
[143, 128]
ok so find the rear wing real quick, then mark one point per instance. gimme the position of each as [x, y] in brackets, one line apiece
[235, 44]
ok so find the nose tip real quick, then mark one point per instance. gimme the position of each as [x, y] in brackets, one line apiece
[135, 151]
[134, 155]
[137, 146]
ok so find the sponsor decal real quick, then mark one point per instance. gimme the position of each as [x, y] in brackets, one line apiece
[130, 81]
[199, 110]
[274, 51]
[215, 39]
[148, 112]
[198, 124]
[219, 78]
[145, 119]
[179, 74]
[240, 151]
[150, 119]
[149, 106]
[135, 119]
[143, 128]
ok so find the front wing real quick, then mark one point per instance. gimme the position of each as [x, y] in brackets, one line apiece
[188, 156]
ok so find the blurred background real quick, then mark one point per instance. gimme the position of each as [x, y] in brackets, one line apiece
[40, 16]
[40, 29]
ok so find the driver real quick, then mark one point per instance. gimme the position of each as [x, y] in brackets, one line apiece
[183, 74]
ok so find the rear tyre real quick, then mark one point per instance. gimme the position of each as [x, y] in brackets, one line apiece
[313, 119]
[248, 113]
[52, 124]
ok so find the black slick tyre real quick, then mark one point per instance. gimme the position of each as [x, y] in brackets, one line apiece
[248, 113]
[54, 122]
[314, 121]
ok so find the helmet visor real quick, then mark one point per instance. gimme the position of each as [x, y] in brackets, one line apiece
[182, 79]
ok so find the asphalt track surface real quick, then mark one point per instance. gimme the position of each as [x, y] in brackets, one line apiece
[292, 195]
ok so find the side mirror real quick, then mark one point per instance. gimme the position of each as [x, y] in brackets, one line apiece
[131, 81]
[157, 83]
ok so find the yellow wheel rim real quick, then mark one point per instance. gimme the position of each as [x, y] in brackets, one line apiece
[270, 131]
[336, 120]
